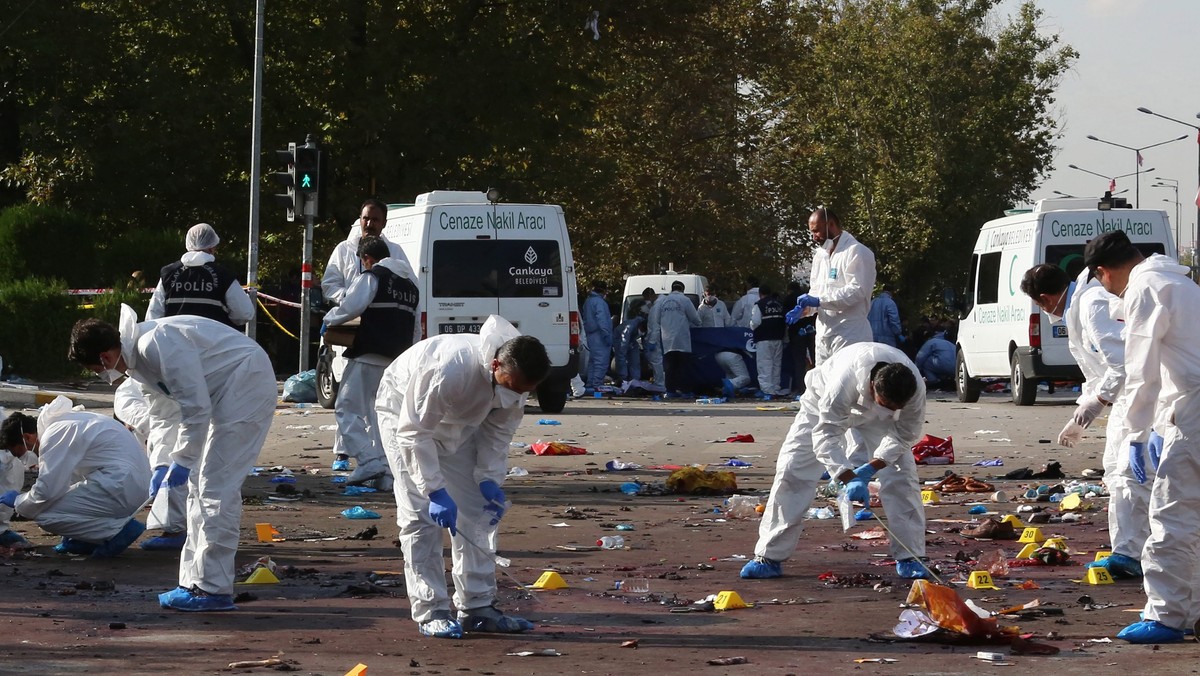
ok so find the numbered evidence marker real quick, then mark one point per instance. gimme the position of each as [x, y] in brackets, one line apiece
[1031, 534]
[550, 580]
[1102, 555]
[930, 498]
[981, 579]
[1098, 576]
[1012, 518]
[729, 600]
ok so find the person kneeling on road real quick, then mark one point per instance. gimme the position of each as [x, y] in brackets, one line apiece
[93, 478]
[448, 408]
[875, 391]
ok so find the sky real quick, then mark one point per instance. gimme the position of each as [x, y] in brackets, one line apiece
[1132, 53]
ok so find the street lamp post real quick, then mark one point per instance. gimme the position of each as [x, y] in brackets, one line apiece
[1112, 180]
[1062, 194]
[1137, 161]
[1197, 128]
[1174, 185]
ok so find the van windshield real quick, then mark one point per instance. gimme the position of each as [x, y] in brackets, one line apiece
[490, 268]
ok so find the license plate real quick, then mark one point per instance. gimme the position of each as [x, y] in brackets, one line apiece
[460, 327]
[1058, 331]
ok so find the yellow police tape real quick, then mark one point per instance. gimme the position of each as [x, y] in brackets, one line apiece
[273, 320]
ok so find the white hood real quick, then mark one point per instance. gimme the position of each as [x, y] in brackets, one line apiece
[495, 332]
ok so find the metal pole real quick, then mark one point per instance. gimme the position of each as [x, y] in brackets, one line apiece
[1137, 180]
[255, 168]
[306, 281]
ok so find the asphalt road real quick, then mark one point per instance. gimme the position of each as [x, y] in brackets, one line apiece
[59, 616]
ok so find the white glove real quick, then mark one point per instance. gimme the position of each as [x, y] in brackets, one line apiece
[1071, 434]
[1088, 411]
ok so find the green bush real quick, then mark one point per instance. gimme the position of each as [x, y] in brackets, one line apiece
[48, 242]
[107, 306]
[36, 331]
[141, 250]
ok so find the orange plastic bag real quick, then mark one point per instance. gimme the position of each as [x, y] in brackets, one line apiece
[556, 448]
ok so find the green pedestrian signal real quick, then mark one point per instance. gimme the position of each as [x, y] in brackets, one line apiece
[308, 167]
[306, 181]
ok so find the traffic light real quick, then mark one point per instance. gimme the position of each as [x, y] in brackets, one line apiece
[288, 180]
[308, 176]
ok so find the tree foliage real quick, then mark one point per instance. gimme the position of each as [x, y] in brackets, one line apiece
[697, 132]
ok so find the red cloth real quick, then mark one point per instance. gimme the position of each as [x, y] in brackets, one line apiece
[931, 450]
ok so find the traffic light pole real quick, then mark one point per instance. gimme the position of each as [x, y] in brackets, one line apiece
[306, 281]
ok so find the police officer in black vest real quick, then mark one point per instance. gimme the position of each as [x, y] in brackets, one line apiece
[767, 321]
[196, 285]
[385, 297]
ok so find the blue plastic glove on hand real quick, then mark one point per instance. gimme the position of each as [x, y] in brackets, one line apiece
[857, 491]
[156, 479]
[443, 511]
[865, 472]
[1137, 460]
[323, 327]
[1156, 448]
[806, 300]
[496, 500]
[794, 315]
[9, 499]
[177, 475]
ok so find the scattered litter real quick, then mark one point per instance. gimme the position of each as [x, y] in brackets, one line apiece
[1100, 640]
[269, 662]
[548, 421]
[863, 515]
[357, 512]
[358, 490]
[742, 507]
[630, 644]
[695, 481]
[978, 509]
[328, 428]
[740, 439]
[556, 448]
[283, 480]
[832, 579]
[734, 462]
[989, 656]
[560, 524]
[987, 431]
[1000, 439]
[631, 488]
[994, 462]
[518, 444]
[872, 534]
[728, 661]
[620, 466]
[338, 480]
[624, 526]
[876, 660]
[368, 533]
[544, 652]
[298, 427]
[931, 450]
[517, 471]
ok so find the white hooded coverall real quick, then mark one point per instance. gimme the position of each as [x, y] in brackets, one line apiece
[843, 281]
[357, 424]
[155, 423]
[225, 388]
[838, 399]
[1096, 339]
[1162, 367]
[93, 476]
[442, 427]
[12, 478]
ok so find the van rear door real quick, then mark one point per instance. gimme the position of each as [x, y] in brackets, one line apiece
[532, 258]
[463, 279]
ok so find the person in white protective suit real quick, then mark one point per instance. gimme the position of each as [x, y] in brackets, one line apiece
[12, 478]
[448, 408]
[343, 268]
[876, 392]
[651, 350]
[157, 430]
[669, 331]
[385, 298]
[840, 285]
[742, 307]
[225, 388]
[197, 285]
[1095, 337]
[1162, 369]
[93, 478]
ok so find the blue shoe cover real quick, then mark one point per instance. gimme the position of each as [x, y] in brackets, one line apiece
[196, 601]
[864, 515]
[912, 569]
[727, 388]
[118, 543]
[761, 568]
[492, 620]
[342, 465]
[11, 538]
[1119, 565]
[1150, 631]
[441, 628]
[76, 547]
[165, 543]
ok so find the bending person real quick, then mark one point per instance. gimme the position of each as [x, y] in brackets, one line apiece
[154, 420]
[94, 477]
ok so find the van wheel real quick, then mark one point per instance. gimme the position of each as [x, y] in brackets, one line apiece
[1024, 390]
[327, 385]
[968, 388]
[551, 400]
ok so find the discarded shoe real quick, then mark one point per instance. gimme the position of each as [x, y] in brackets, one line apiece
[762, 568]
[441, 626]
[130, 532]
[340, 464]
[11, 538]
[1150, 631]
[991, 528]
[165, 543]
[491, 620]
[912, 569]
[1119, 566]
[73, 546]
[195, 600]
[1052, 470]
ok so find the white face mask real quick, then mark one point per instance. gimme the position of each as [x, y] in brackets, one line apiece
[506, 398]
[110, 375]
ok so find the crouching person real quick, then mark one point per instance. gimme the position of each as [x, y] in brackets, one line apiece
[94, 476]
[448, 408]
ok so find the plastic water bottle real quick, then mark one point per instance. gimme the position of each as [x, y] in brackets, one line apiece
[741, 507]
[611, 542]
[635, 585]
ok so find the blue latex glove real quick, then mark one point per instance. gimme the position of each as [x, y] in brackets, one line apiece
[794, 315]
[865, 472]
[1156, 447]
[323, 327]
[856, 491]
[9, 499]
[443, 511]
[496, 500]
[808, 301]
[1137, 460]
[156, 479]
[177, 475]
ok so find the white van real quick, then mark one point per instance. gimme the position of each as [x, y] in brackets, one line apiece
[475, 258]
[1002, 334]
[631, 301]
